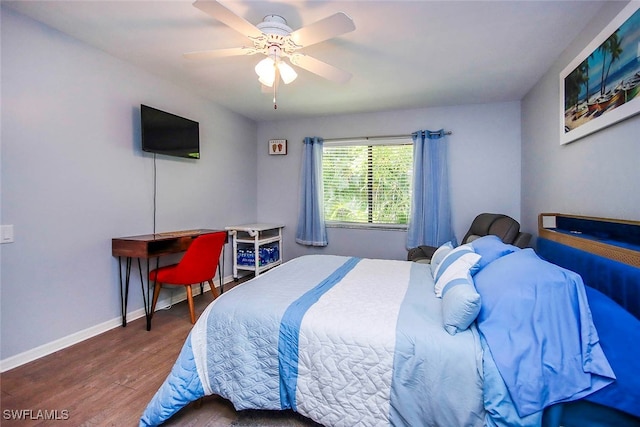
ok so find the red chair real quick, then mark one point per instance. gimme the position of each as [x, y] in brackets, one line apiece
[198, 265]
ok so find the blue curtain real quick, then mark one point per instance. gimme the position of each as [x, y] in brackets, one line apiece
[311, 228]
[430, 220]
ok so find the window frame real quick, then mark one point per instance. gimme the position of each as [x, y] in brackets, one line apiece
[370, 141]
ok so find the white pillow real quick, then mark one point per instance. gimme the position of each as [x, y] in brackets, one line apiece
[460, 304]
[455, 265]
[440, 253]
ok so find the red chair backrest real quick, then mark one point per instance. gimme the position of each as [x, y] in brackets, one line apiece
[200, 261]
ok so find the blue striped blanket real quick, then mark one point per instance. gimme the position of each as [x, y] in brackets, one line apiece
[343, 341]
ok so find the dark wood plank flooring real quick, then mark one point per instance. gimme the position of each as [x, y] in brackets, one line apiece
[109, 379]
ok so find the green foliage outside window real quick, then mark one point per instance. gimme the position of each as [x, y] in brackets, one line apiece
[368, 184]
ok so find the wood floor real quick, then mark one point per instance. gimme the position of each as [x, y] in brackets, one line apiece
[109, 379]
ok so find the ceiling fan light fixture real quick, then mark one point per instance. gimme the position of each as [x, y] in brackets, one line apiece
[266, 71]
[276, 40]
[287, 72]
[268, 83]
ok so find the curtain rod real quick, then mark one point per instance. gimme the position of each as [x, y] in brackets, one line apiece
[366, 138]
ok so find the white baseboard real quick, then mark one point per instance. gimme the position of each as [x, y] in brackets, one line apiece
[69, 340]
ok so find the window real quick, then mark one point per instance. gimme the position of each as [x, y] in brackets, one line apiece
[367, 182]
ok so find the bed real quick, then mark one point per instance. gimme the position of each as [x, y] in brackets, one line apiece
[606, 254]
[346, 341]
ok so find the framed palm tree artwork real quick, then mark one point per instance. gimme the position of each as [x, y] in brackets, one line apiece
[601, 86]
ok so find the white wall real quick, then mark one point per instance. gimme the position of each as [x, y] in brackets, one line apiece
[595, 176]
[73, 177]
[485, 169]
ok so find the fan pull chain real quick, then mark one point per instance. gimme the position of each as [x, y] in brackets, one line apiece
[275, 87]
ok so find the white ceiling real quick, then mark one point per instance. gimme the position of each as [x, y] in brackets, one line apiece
[403, 54]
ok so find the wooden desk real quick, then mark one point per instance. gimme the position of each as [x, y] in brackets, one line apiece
[149, 246]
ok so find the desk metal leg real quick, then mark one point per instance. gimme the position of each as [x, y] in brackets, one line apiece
[124, 288]
[146, 293]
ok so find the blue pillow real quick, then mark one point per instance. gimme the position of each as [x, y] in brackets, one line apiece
[490, 248]
[455, 265]
[440, 253]
[460, 304]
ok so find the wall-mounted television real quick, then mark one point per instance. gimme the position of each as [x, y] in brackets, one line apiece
[166, 133]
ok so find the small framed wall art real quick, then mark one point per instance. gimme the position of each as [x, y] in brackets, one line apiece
[277, 146]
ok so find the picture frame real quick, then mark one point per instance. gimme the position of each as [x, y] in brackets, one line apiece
[601, 86]
[278, 146]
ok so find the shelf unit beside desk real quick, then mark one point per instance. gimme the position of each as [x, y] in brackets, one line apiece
[149, 246]
[254, 236]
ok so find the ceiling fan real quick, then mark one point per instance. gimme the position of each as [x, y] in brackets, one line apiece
[276, 40]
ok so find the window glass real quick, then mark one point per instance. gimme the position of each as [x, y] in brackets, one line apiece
[367, 184]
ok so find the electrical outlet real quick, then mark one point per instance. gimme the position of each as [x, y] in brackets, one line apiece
[6, 234]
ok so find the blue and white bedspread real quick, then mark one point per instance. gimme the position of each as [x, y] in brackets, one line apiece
[343, 341]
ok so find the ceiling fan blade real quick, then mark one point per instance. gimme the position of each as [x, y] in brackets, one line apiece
[219, 53]
[332, 26]
[219, 12]
[320, 68]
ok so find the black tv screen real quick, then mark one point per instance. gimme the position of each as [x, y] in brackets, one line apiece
[166, 133]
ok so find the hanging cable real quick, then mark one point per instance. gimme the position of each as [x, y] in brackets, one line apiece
[154, 193]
